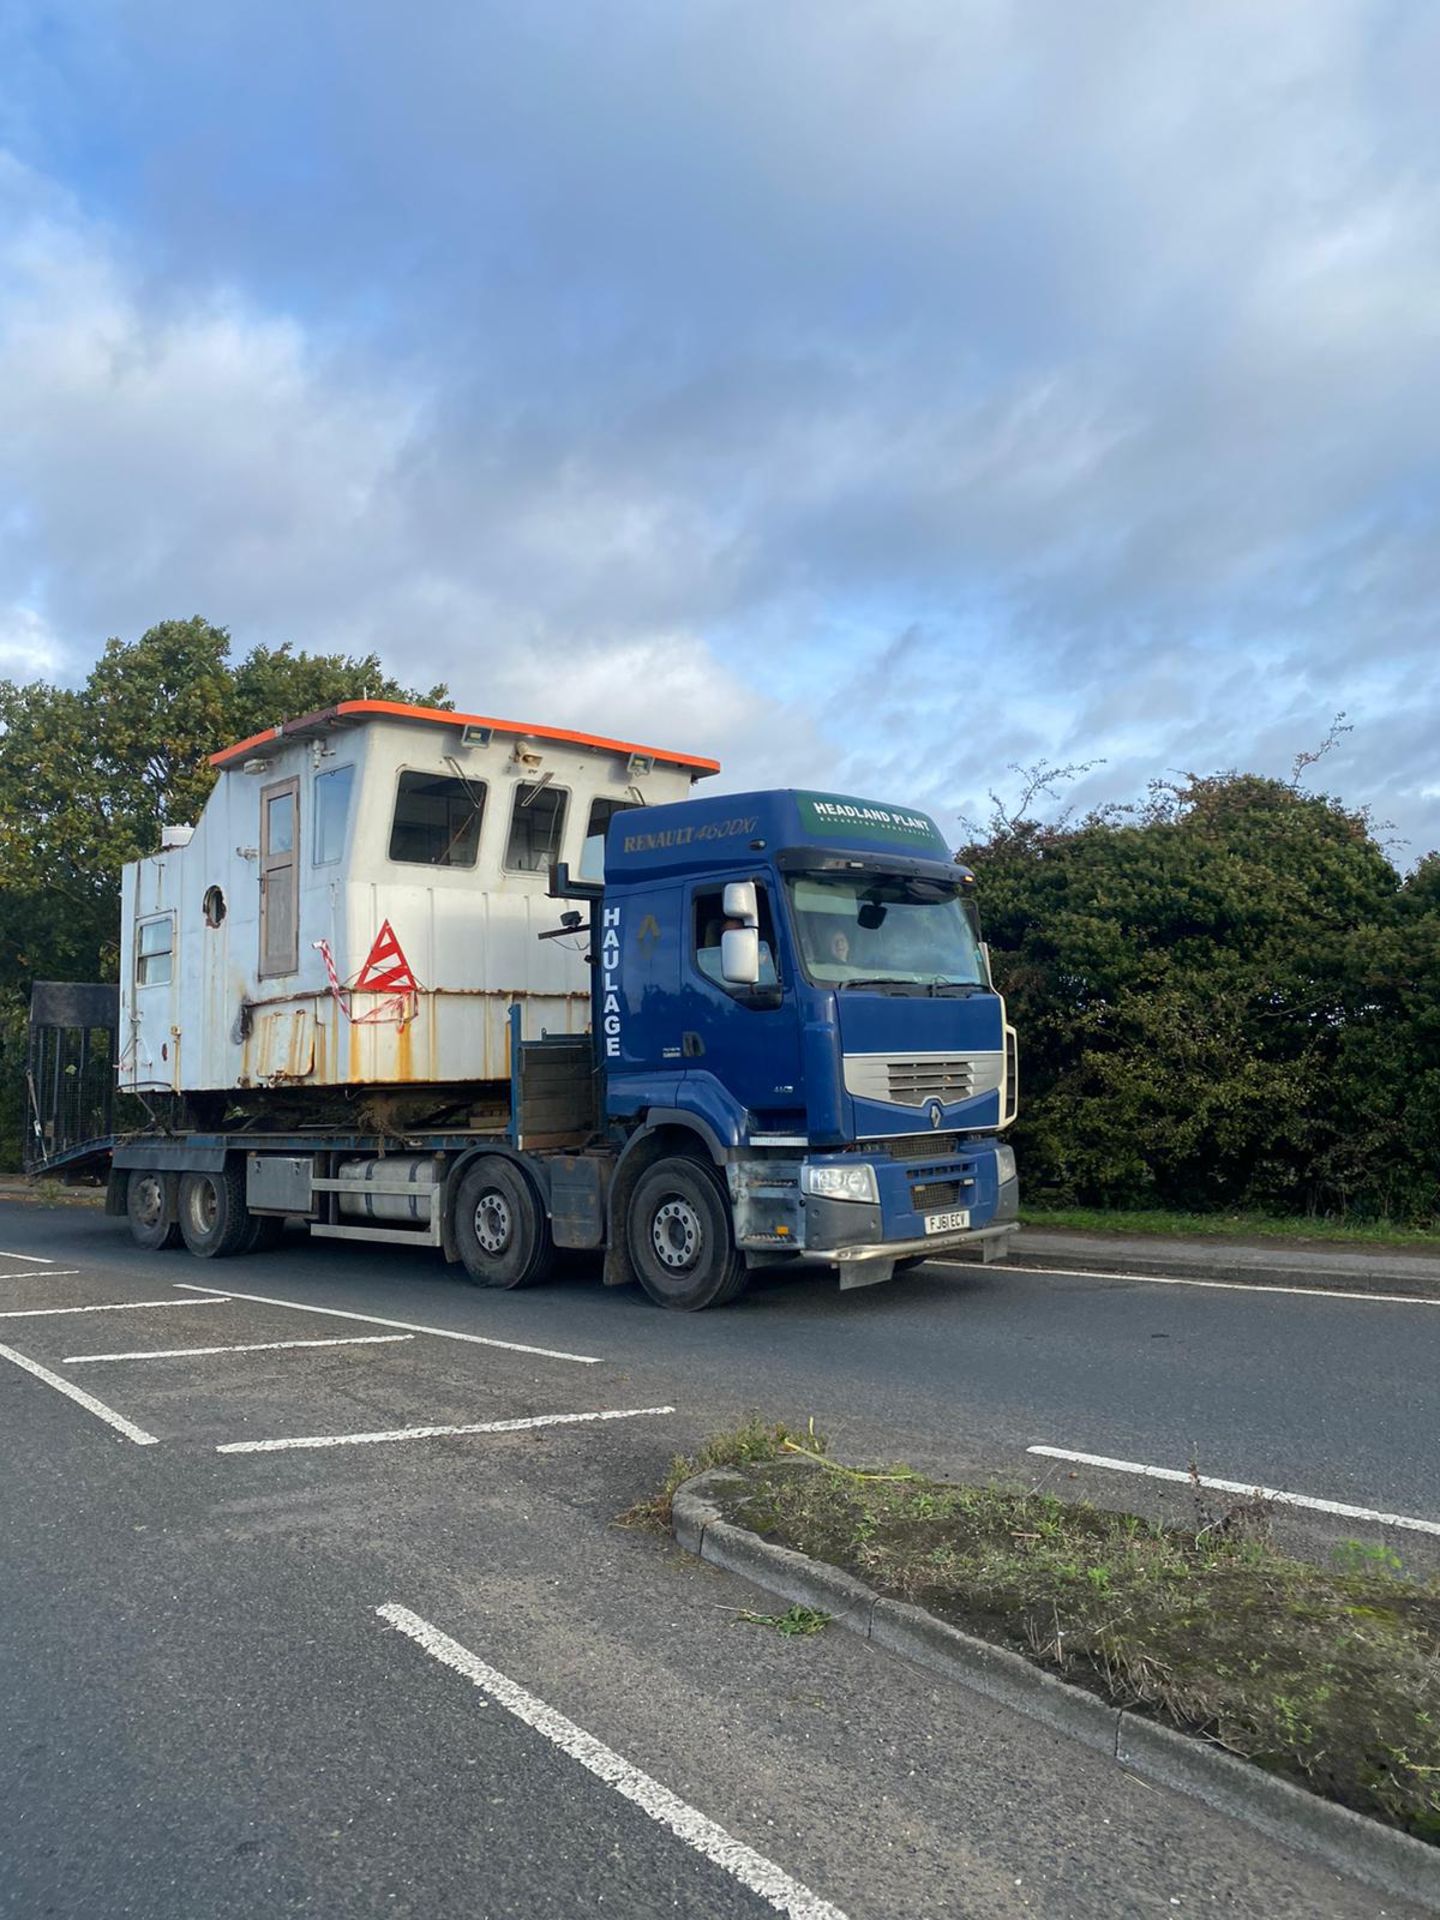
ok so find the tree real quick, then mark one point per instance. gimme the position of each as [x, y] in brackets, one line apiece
[88, 777]
[1224, 998]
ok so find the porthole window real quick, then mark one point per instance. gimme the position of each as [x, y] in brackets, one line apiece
[214, 905]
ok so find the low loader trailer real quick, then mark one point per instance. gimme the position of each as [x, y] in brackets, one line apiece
[419, 977]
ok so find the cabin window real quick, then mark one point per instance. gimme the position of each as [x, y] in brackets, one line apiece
[279, 878]
[155, 951]
[536, 827]
[332, 813]
[437, 820]
[592, 858]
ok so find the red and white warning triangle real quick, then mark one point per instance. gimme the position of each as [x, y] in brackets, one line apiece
[386, 970]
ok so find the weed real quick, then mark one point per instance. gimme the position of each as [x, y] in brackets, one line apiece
[796, 1623]
[753, 1441]
[1248, 1518]
[1361, 1556]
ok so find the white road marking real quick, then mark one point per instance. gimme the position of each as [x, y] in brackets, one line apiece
[406, 1326]
[259, 1346]
[113, 1306]
[33, 1259]
[433, 1433]
[761, 1876]
[82, 1399]
[50, 1273]
[1261, 1287]
[1243, 1487]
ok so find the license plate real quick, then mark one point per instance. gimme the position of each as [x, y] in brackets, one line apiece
[947, 1222]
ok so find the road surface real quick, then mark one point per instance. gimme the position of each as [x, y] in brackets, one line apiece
[314, 1603]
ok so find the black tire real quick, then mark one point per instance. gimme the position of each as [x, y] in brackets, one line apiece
[501, 1227]
[150, 1209]
[266, 1232]
[911, 1261]
[214, 1220]
[680, 1237]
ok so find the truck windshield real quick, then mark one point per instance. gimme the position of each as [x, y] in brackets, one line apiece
[880, 929]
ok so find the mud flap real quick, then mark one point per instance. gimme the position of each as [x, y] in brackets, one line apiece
[864, 1273]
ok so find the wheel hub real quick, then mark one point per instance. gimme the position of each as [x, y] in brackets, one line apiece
[676, 1234]
[149, 1201]
[204, 1206]
[493, 1222]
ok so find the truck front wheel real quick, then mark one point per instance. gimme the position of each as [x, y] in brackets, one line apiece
[500, 1226]
[150, 1209]
[678, 1226]
[214, 1220]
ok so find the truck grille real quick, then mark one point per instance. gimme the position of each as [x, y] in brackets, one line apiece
[916, 1146]
[914, 1080]
[932, 1077]
[935, 1195]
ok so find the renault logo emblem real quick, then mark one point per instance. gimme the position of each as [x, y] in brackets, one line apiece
[937, 1113]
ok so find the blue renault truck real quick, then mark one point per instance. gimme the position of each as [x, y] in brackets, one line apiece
[803, 1055]
[426, 978]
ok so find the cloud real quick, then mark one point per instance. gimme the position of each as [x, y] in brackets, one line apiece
[878, 394]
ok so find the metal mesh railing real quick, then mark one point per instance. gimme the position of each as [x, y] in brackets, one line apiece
[70, 1072]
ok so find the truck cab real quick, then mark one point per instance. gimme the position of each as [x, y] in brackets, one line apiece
[798, 979]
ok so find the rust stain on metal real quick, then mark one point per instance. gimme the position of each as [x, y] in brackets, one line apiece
[404, 1053]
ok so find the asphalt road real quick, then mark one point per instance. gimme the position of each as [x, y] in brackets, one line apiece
[203, 1712]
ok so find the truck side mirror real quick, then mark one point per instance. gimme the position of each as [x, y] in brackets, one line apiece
[740, 903]
[740, 953]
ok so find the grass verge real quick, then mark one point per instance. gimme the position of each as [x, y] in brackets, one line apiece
[1159, 1223]
[753, 1441]
[1327, 1675]
[48, 1192]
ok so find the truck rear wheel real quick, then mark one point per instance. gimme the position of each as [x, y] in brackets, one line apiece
[150, 1209]
[214, 1220]
[681, 1243]
[500, 1226]
[267, 1230]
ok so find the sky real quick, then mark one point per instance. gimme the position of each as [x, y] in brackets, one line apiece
[877, 395]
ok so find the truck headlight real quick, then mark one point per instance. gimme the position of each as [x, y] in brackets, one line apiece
[840, 1182]
[1004, 1164]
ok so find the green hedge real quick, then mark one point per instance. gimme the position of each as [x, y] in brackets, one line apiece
[1228, 996]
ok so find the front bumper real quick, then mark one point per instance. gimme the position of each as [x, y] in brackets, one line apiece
[867, 1266]
[865, 1239]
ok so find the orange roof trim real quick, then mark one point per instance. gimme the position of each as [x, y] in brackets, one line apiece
[357, 710]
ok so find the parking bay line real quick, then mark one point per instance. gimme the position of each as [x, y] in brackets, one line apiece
[109, 1306]
[405, 1326]
[258, 1346]
[81, 1398]
[50, 1273]
[761, 1876]
[1260, 1287]
[435, 1433]
[1242, 1487]
[32, 1259]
